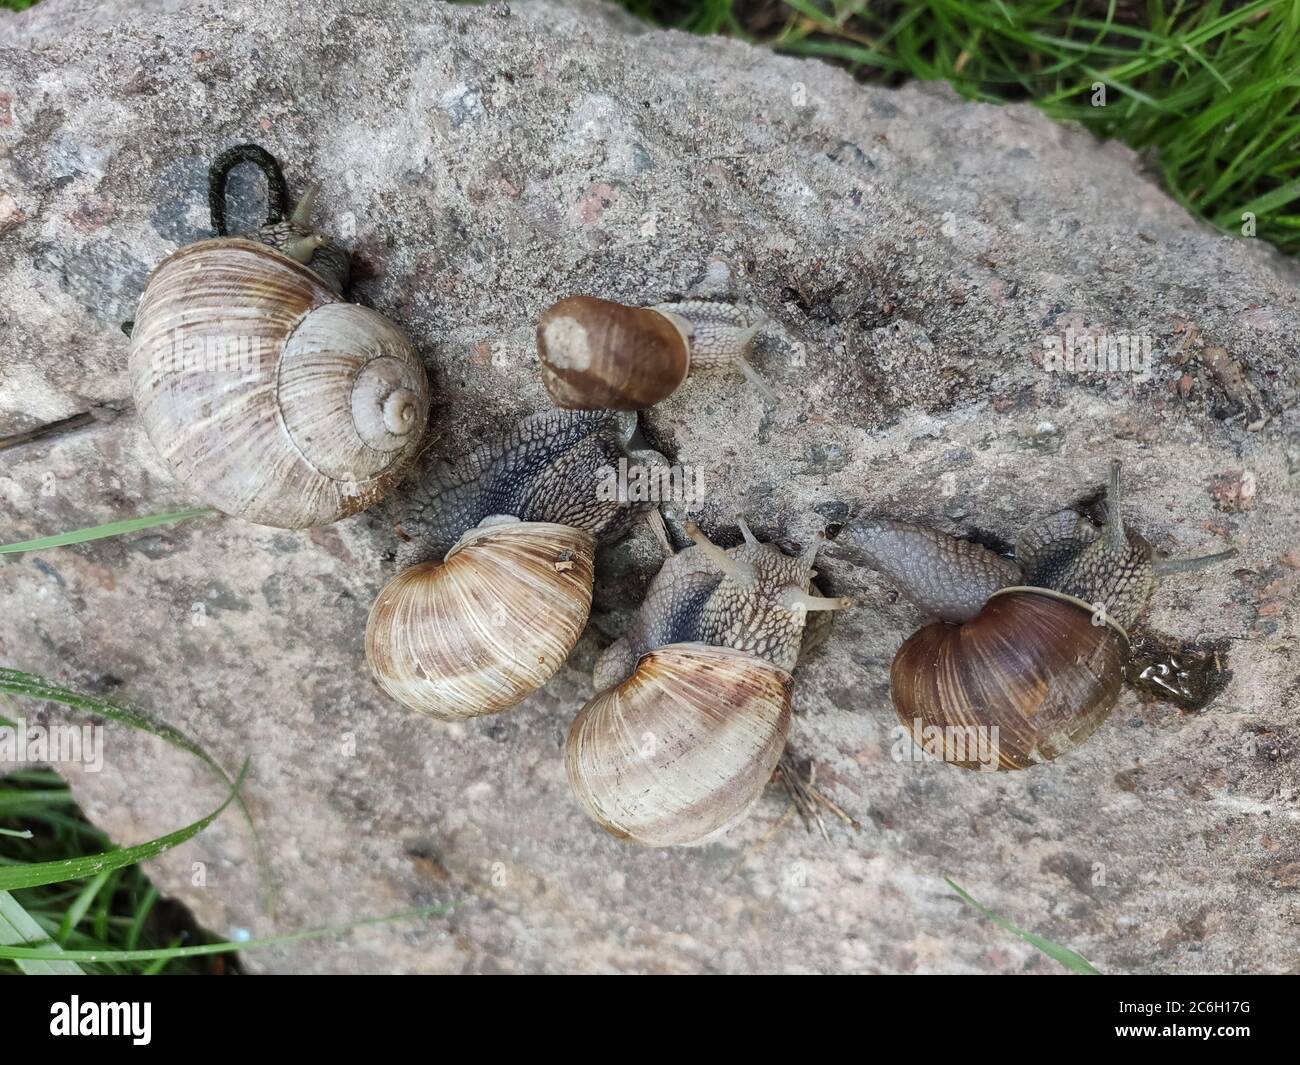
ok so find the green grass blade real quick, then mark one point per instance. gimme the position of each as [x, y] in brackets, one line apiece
[18, 926]
[54, 872]
[100, 532]
[26, 800]
[16, 682]
[169, 953]
[1072, 961]
[81, 905]
[141, 915]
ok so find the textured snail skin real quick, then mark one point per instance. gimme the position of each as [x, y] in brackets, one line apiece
[546, 468]
[1044, 689]
[691, 600]
[681, 750]
[597, 354]
[949, 579]
[491, 624]
[265, 394]
[1112, 565]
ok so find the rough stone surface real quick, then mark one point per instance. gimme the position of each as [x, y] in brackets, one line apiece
[913, 252]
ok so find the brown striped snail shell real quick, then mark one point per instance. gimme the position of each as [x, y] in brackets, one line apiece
[1029, 677]
[487, 626]
[263, 390]
[1028, 656]
[600, 355]
[679, 751]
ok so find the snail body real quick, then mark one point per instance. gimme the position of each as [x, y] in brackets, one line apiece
[262, 390]
[549, 467]
[488, 625]
[596, 354]
[679, 751]
[498, 574]
[1031, 652]
[753, 598]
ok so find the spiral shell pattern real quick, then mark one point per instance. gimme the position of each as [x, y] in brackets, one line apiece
[681, 750]
[489, 625]
[267, 395]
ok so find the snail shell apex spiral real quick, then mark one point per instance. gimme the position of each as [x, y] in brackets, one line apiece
[487, 626]
[1030, 664]
[265, 393]
[681, 750]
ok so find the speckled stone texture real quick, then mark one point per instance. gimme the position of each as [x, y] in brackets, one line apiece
[913, 251]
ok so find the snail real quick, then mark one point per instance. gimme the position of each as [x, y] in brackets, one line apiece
[262, 389]
[556, 466]
[1029, 654]
[597, 354]
[694, 702]
[503, 546]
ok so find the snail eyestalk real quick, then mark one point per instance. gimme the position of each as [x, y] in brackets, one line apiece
[809, 554]
[655, 519]
[735, 569]
[794, 599]
[302, 213]
[1115, 534]
[1165, 566]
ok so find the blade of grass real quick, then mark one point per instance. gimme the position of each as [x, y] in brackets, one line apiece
[141, 915]
[54, 872]
[100, 532]
[1072, 961]
[84, 900]
[169, 953]
[18, 926]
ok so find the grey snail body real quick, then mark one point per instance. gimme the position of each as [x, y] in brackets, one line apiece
[550, 467]
[1030, 651]
[264, 391]
[753, 598]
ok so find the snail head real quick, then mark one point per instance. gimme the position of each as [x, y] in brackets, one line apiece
[763, 600]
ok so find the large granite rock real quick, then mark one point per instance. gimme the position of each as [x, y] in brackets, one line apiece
[914, 252]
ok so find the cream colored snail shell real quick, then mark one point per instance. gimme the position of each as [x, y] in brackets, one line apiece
[600, 355]
[487, 626]
[268, 395]
[681, 750]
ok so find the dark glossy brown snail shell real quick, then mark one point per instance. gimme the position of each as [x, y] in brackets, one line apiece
[1028, 678]
[601, 355]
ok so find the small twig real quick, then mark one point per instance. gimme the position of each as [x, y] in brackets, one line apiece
[806, 797]
[63, 425]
